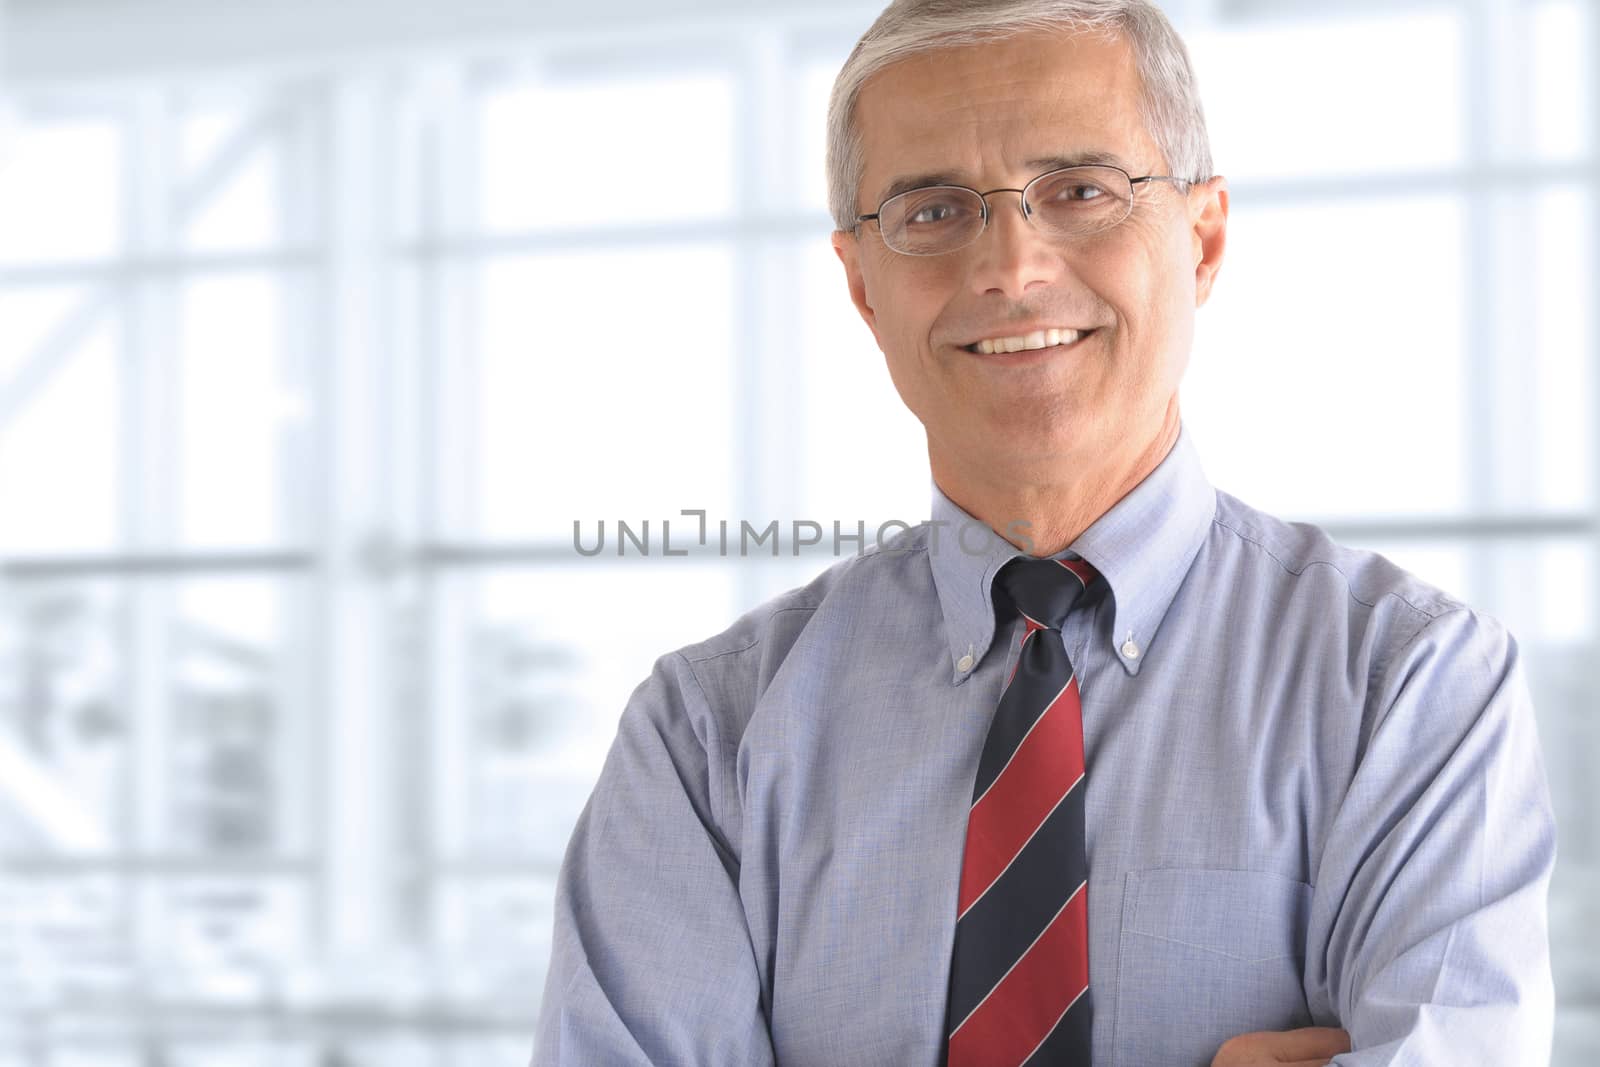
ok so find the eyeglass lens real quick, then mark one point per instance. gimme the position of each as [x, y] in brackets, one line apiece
[1073, 202]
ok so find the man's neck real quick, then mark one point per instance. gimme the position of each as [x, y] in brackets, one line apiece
[1044, 516]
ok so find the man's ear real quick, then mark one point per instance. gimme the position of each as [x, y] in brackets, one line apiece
[1208, 215]
[848, 250]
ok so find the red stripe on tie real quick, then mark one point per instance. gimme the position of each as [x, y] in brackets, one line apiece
[1025, 1005]
[1079, 567]
[1027, 633]
[1043, 770]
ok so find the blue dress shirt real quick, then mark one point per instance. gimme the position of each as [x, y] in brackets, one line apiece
[1315, 797]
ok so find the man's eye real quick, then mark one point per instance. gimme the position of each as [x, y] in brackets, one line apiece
[931, 213]
[1080, 193]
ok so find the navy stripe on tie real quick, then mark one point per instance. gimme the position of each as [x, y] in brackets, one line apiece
[1000, 926]
[1029, 694]
[1070, 1037]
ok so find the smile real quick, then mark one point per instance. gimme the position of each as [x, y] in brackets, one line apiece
[990, 346]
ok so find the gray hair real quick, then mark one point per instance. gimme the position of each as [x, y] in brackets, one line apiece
[1170, 103]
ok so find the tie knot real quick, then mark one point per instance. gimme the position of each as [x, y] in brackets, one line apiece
[1045, 590]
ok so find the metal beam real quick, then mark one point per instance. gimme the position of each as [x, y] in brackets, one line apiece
[152, 565]
[229, 157]
[450, 555]
[52, 353]
[144, 267]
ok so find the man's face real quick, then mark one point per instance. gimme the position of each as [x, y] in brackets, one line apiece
[991, 116]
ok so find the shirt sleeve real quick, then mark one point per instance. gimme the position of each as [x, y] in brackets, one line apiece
[1432, 895]
[651, 960]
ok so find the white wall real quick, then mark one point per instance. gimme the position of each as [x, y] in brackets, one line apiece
[76, 39]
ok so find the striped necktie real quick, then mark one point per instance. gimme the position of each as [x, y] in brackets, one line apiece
[1019, 973]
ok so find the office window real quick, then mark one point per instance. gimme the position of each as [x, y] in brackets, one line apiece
[1286, 352]
[308, 369]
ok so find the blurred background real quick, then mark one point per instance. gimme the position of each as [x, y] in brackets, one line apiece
[321, 324]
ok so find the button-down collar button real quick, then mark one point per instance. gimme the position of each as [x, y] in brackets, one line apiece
[1130, 649]
[964, 664]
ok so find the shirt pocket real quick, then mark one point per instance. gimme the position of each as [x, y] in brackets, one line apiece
[1204, 955]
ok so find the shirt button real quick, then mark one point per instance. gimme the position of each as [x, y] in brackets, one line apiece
[964, 664]
[1130, 649]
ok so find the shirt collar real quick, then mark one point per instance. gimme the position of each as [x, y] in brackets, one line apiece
[1143, 546]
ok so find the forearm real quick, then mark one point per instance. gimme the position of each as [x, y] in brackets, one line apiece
[651, 959]
[1432, 898]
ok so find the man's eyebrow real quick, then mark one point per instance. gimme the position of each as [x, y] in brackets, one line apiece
[906, 183]
[1078, 159]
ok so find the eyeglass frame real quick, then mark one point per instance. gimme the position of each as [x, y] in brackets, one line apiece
[1022, 202]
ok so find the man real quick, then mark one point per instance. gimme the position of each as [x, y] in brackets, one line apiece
[1233, 794]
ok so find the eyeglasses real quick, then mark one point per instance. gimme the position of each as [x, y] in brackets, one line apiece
[1071, 202]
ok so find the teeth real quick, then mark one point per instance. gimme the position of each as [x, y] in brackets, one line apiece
[1030, 342]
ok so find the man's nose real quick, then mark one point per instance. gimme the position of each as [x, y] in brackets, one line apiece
[1010, 256]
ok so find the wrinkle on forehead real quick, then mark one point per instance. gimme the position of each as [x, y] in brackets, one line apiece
[983, 110]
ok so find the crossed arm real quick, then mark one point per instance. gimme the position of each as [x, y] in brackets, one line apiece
[1428, 940]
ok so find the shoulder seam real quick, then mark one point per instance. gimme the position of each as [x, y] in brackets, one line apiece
[1349, 589]
[722, 743]
[754, 641]
[877, 550]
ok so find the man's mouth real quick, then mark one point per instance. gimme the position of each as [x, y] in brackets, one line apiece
[1026, 342]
